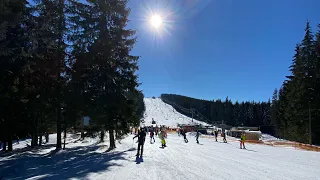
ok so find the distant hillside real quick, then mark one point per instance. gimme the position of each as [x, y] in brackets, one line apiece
[237, 114]
[164, 114]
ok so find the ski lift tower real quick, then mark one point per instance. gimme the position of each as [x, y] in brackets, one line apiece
[192, 111]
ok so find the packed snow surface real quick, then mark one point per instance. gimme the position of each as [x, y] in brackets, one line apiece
[88, 159]
[165, 114]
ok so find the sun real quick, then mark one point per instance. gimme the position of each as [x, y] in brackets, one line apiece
[156, 21]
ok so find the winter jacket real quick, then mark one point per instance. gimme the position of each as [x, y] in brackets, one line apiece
[161, 135]
[243, 137]
[198, 134]
[141, 137]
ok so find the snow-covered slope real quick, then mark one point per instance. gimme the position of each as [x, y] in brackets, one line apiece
[164, 114]
[208, 160]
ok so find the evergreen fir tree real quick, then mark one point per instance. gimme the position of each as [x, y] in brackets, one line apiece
[14, 49]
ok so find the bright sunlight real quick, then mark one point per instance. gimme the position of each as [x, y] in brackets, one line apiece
[156, 21]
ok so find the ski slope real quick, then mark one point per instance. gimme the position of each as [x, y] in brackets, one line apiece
[189, 161]
[165, 114]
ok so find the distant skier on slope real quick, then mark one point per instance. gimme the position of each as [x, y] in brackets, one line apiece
[141, 139]
[197, 136]
[152, 136]
[216, 135]
[223, 134]
[163, 141]
[242, 140]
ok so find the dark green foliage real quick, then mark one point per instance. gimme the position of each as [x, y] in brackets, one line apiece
[299, 96]
[237, 114]
[14, 47]
[61, 60]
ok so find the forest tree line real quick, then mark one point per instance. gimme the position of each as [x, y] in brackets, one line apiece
[61, 60]
[224, 111]
[295, 109]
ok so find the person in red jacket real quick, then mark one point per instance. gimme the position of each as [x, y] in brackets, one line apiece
[152, 137]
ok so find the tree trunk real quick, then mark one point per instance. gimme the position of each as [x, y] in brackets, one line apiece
[102, 135]
[40, 139]
[39, 129]
[47, 137]
[65, 133]
[4, 145]
[32, 139]
[58, 146]
[10, 142]
[9, 133]
[60, 60]
[82, 126]
[32, 131]
[112, 142]
[36, 131]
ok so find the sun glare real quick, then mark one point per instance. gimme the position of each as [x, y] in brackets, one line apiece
[156, 21]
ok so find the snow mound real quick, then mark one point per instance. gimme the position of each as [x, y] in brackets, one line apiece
[267, 137]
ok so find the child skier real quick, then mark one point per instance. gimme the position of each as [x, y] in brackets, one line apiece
[152, 137]
[242, 140]
[197, 136]
[163, 141]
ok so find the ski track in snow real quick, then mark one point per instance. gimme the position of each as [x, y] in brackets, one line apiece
[208, 160]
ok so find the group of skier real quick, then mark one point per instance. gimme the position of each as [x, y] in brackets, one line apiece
[223, 134]
[142, 133]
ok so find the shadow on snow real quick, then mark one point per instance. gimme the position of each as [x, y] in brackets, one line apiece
[74, 162]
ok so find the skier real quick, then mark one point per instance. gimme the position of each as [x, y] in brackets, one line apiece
[163, 141]
[216, 135]
[183, 133]
[242, 140]
[141, 138]
[224, 135]
[156, 130]
[152, 137]
[197, 136]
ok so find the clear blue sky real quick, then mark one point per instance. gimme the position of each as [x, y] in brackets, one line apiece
[211, 49]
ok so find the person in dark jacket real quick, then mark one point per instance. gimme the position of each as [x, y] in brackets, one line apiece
[216, 135]
[197, 136]
[141, 138]
[183, 133]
